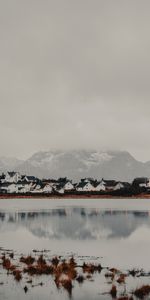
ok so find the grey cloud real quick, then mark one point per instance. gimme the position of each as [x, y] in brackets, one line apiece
[74, 74]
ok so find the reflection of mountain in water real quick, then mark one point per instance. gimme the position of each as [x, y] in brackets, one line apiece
[76, 223]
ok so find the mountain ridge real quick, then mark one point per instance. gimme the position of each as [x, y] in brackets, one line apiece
[76, 164]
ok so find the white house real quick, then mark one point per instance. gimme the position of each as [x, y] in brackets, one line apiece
[12, 188]
[47, 188]
[142, 182]
[26, 188]
[12, 177]
[145, 184]
[85, 187]
[148, 183]
[68, 186]
[36, 188]
[61, 191]
[100, 186]
[110, 185]
[119, 185]
[29, 178]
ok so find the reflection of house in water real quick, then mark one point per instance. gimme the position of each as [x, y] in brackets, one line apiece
[127, 212]
[16, 216]
[77, 222]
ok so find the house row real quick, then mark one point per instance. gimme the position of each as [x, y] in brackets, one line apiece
[88, 184]
[14, 182]
[15, 177]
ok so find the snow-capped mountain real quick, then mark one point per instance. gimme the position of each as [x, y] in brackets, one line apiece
[78, 164]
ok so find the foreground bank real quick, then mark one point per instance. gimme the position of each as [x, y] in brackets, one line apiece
[74, 196]
[69, 273]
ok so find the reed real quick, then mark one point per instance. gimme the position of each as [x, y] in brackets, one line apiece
[113, 291]
[142, 291]
[29, 260]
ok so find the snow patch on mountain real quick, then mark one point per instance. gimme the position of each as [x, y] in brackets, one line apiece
[118, 165]
[97, 158]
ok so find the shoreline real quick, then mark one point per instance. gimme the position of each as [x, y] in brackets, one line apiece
[74, 196]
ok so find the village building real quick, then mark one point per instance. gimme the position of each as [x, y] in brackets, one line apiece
[12, 177]
[12, 188]
[100, 186]
[2, 178]
[119, 185]
[141, 182]
[109, 185]
[60, 190]
[47, 189]
[29, 178]
[65, 184]
[36, 188]
[84, 186]
[26, 188]
[122, 186]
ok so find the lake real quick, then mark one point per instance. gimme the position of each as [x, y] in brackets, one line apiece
[112, 232]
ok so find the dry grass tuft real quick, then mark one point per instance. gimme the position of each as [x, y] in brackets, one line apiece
[67, 285]
[72, 262]
[11, 255]
[55, 261]
[91, 268]
[41, 260]
[29, 260]
[17, 275]
[6, 263]
[38, 269]
[80, 279]
[25, 289]
[142, 291]
[113, 291]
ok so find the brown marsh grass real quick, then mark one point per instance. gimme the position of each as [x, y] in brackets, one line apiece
[142, 291]
[113, 291]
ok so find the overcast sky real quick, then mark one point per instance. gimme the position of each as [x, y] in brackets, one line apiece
[74, 74]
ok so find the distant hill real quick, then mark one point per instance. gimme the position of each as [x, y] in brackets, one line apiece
[78, 164]
[9, 163]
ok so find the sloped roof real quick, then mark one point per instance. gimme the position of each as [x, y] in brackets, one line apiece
[82, 184]
[64, 180]
[110, 182]
[140, 180]
[31, 178]
[96, 183]
[11, 174]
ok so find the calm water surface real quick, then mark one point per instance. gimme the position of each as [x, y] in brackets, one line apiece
[115, 233]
